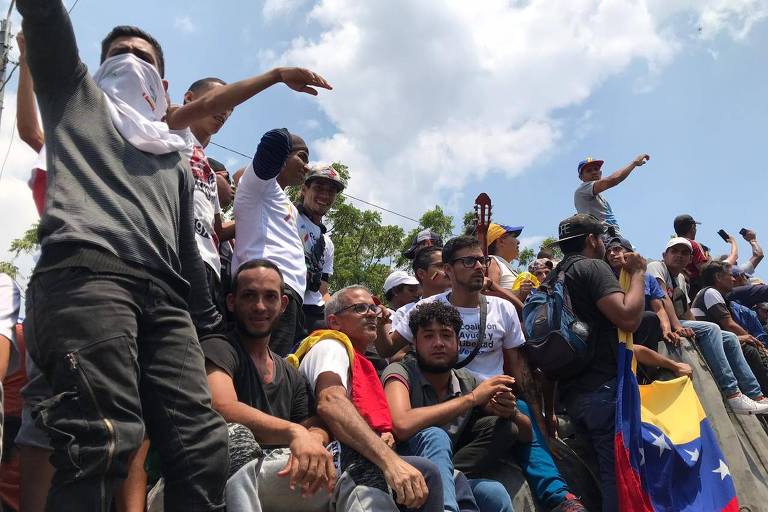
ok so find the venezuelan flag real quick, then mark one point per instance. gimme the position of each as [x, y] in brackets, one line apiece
[667, 454]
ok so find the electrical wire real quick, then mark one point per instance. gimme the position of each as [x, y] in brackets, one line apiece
[341, 193]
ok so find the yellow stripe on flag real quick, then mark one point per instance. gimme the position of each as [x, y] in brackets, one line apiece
[673, 407]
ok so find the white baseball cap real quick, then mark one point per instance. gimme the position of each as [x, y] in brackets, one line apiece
[679, 240]
[397, 278]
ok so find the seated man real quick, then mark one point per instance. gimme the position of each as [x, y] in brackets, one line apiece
[253, 386]
[648, 356]
[445, 415]
[499, 353]
[761, 309]
[720, 348]
[350, 400]
[710, 305]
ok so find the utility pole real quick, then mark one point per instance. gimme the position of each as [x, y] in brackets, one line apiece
[5, 47]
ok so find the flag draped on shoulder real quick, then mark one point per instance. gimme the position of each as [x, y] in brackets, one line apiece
[667, 454]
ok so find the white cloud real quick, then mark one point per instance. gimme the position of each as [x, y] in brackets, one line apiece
[430, 94]
[277, 8]
[185, 24]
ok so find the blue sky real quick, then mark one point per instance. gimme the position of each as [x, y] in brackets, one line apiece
[435, 101]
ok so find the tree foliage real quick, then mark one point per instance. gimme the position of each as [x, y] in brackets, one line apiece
[27, 244]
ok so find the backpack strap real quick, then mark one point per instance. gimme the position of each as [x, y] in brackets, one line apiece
[480, 334]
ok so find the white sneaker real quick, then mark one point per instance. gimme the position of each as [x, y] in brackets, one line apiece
[741, 404]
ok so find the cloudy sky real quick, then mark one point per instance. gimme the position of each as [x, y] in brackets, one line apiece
[436, 101]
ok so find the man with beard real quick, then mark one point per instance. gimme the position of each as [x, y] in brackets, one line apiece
[318, 194]
[499, 353]
[253, 386]
[448, 417]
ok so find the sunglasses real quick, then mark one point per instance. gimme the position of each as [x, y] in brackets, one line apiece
[471, 261]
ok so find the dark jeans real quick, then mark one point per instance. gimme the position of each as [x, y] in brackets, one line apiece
[290, 328]
[120, 355]
[483, 444]
[758, 363]
[595, 414]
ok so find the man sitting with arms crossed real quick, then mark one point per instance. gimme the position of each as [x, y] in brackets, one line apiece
[448, 417]
[351, 401]
[720, 348]
[499, 353]
[253, 386]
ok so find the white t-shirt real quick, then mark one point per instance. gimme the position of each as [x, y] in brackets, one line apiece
[206, 202]
[310, 233]
[10, 303]
[266, 228]
[507, 275]
[326, 356]
[502, 331]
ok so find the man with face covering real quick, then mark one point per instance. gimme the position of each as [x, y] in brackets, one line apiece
[107, 302]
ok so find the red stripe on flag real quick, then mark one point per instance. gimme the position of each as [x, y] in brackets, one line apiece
[732, 506]
[632, 498]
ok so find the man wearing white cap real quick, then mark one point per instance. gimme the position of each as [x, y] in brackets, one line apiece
[721, 349]
[401, 288]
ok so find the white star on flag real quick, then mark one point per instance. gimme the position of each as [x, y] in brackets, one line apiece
[642, 456]
[722, 469]
[660, 442]
[694, 454]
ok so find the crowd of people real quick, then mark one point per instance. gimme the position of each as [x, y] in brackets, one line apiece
[171, 359]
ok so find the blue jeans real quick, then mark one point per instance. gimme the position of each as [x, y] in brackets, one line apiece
[534, 458]
[723, 354]
[595, 413]
[434, 444]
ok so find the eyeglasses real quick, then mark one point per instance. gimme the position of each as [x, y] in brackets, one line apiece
[362, 308]
[471, 261]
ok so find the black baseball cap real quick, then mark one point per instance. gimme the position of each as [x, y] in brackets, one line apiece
[425, 237]
[683, 223]
[581, 224]
[617, 240]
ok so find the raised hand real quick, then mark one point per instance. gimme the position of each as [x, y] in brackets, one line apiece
[303, 80]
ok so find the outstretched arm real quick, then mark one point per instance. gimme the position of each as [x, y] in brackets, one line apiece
[733, 255]
[617, 177]
[227, 97]
[51, 49]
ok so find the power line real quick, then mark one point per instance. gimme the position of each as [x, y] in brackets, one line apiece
[342, 193]
[10, 145]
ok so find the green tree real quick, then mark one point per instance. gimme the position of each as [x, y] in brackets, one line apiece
[547, 242]
[526, 256]
[27, 244]
[434, 219]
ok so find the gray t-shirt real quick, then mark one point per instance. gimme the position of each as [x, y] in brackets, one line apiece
[676, 288]
[422, 394]
[586, 201]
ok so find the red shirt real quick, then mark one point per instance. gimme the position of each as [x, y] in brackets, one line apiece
[698, 258]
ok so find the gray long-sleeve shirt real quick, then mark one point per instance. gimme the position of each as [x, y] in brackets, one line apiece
[105, 196]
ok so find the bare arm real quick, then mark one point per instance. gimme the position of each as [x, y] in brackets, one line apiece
[346, 424]
[388, 344]
[408, 420]
[5, 355]
[227, 97]
[733, 256]
[757, 251]
[310, 465]
[493, 289]
[648, 357]
[26, 109]
[617, 177]
[625, 310]
[516, 365]
[224, 230]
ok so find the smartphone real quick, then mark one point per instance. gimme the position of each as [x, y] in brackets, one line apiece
[743, 231]
[723, 235]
